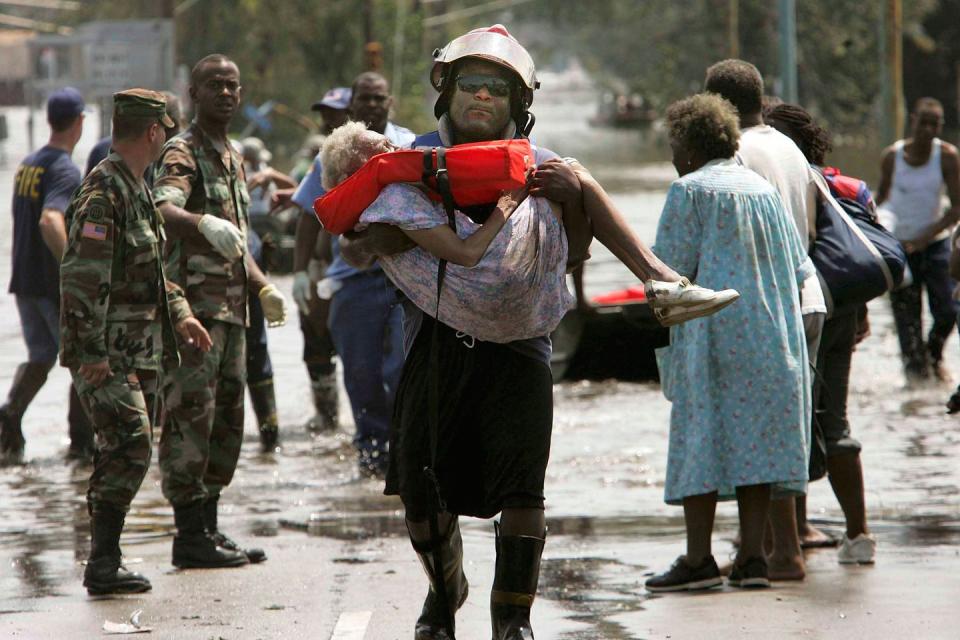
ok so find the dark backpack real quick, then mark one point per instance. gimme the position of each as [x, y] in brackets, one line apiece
[856, 257]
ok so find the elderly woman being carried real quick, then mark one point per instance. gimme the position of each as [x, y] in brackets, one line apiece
[517, 257]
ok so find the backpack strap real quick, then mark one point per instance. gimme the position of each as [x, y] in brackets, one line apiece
[442, 181]
[832, 202]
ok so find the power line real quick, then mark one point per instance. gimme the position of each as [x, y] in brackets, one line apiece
[36, 25]
[65, 5]
[450, 16]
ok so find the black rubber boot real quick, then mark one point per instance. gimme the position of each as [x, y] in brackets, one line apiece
[325, 401]
[953, 404]
[27, 381]
[514, 585]
[81, 431]
[264, 402]
[105, 573]
[210, 507]
[193, 548]
[432, 623]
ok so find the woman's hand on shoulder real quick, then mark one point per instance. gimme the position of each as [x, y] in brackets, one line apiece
[556, 180]
[510, 200]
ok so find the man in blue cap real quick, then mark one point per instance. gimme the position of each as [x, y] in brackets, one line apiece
[364, 320]
[43, 186]
[311, 257]
[333, 108]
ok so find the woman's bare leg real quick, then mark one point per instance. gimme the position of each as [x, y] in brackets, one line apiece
[698, 514]
[612, 230]
[786, 561]
[753, 504]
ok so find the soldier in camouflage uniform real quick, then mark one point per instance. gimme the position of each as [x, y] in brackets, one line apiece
[117, 320]
[201, 191]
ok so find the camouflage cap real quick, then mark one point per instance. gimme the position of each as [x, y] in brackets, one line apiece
[142, 103]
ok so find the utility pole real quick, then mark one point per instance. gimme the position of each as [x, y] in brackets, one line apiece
[788, 51]
[368, 21]
[733, 28]
[399, 39]
[894, 113]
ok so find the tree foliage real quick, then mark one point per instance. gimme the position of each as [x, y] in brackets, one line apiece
[660, 48]
[293, 51]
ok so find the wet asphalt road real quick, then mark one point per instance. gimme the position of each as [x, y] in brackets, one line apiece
[337, 546]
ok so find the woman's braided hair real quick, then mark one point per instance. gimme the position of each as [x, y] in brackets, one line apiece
[813, 140]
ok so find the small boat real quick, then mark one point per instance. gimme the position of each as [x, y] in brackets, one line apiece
[615, 339]
[623, 111]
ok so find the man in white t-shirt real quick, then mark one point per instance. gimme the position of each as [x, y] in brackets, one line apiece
[775, 157]
[914, 174]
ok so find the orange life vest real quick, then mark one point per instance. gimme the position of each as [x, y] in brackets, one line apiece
[477, 173]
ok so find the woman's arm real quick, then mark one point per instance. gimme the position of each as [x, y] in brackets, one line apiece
[445, 244]
[613, 232]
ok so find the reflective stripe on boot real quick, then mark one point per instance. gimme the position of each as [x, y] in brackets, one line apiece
[514, 585]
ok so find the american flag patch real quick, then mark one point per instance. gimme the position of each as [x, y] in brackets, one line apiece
[94, 231]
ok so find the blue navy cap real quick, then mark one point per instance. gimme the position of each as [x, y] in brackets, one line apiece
[337, 98]
[64, 103]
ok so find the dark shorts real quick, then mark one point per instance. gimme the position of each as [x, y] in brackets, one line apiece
[831, 428]
[496, 418]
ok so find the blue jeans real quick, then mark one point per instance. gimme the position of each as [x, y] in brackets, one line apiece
[365, 326]
[930, 269]
[40, 323]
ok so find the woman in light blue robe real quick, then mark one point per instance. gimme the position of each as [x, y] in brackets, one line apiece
[738, 380]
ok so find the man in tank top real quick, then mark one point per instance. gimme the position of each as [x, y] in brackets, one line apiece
[914, 173]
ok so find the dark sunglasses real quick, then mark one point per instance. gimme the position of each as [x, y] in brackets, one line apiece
[497, 87]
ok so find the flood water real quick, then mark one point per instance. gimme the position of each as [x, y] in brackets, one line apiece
[604, 483]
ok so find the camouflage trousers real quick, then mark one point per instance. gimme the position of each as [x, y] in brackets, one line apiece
[121, 410]
[203, 427]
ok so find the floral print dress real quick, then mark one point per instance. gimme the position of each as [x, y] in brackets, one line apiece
[738, 380]
[517, 291]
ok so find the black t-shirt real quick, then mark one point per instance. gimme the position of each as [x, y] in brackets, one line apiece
[46, 179]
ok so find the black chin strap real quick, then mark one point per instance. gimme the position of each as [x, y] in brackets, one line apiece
[527, 126]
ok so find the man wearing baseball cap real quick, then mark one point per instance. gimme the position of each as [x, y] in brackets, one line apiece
[119, 321]
[312, 255]
[333, 108]
[44, 182]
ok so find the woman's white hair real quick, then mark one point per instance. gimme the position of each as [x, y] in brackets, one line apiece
[346, 149]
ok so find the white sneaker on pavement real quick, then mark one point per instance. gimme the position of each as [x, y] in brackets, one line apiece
[860, 550]
[676, 302]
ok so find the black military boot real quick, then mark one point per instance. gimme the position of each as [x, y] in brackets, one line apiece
[81, 431]
[264, 402]
[193, 548]
[514, 585]
[325, 401]
[27, 381]
[105, 573]
[210, 507]
[432, 623]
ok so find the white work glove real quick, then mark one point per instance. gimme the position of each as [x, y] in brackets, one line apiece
[225, 237]
[301, 291]
[274, 306]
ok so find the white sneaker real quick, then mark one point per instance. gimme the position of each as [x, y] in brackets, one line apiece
[860, 550]
[676, 302]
